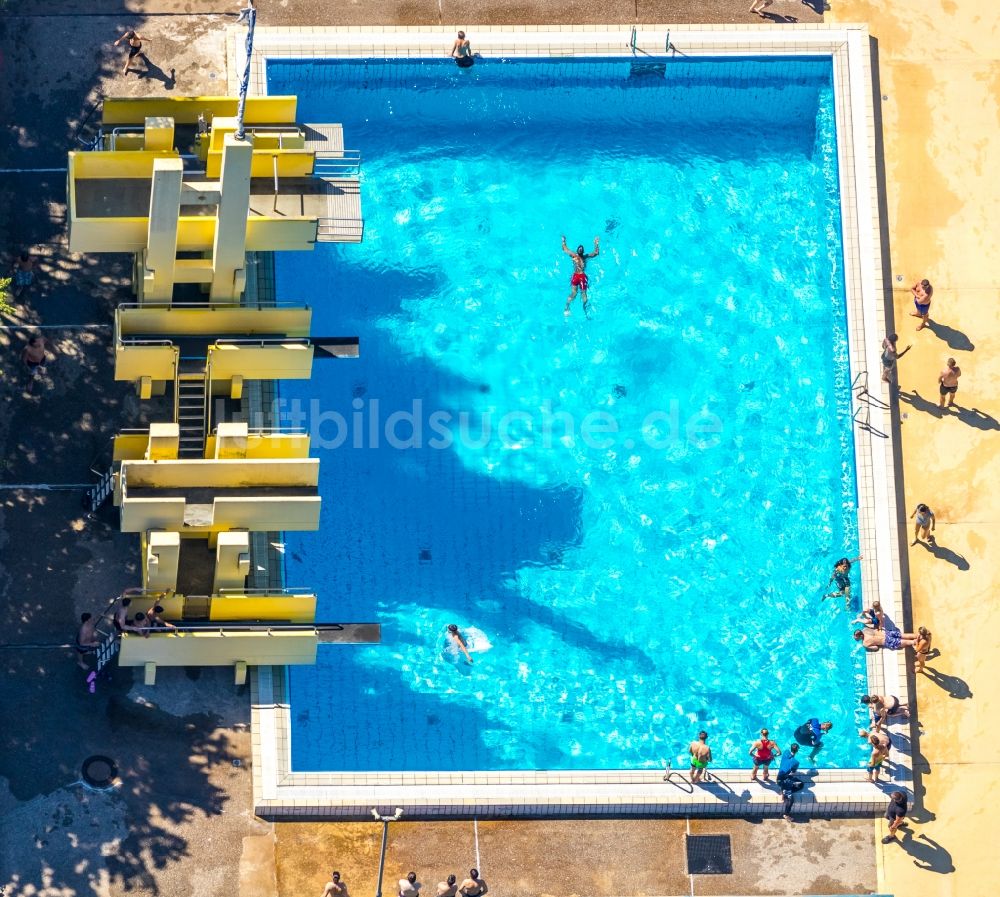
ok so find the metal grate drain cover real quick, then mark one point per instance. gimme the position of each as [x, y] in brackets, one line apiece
[709, 855]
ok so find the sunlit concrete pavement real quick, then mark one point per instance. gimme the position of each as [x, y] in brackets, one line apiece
[607, 857]
[939, 73]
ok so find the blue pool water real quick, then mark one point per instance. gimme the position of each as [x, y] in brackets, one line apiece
[634, 514]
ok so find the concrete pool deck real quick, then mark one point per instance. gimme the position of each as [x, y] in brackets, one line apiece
[938, 131]
[940, 76]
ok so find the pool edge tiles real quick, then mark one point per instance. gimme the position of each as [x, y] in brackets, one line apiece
[280, 792]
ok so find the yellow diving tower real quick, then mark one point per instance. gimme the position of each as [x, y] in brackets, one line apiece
[169, 181]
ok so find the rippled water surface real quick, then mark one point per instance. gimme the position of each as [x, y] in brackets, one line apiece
[632, 515]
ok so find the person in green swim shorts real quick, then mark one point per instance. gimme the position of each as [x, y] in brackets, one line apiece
[701, 756]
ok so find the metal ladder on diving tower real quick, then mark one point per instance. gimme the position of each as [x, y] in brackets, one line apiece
[191, 410]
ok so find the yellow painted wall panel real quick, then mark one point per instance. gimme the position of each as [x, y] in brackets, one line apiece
[130, 446]
[300, 513]
[181, 321]
[211, 649]
[272, 234]
[292, 163]
[133, 362]
[291, 608]
[117, 165]
[108, 234]
[185, 110]
[207, 473]
[269, 445]
[141, 514]
[292, 361]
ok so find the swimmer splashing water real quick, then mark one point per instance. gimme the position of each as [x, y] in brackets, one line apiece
[579, 279]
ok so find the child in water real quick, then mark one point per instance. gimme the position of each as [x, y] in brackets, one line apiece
[455, 637]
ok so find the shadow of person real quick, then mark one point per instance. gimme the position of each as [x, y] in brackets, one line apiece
[973, 417]
[946, 554]
[919, 403]
[157, 74]
[954, 338]
[956, 687]
[928, 854]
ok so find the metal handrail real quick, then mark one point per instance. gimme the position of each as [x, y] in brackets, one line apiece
[340, 227]
[330, 163]
[124, 129]
[285, 590]
[223, 628]
[138, 341]
[210, 306]
[276, 341]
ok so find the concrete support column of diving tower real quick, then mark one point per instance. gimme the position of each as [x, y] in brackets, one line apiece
[157, 263]
[229, 249]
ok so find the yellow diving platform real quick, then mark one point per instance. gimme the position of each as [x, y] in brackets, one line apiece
[170, 181]
[167, 179]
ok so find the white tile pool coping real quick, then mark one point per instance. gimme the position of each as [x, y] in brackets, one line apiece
[280, 792]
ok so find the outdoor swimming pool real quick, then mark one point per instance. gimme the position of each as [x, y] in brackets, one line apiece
[634, 513]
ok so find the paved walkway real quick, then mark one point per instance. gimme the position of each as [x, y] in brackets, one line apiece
[941, 79]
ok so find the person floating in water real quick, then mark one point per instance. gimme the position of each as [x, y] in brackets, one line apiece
[461, 51]
[579, 279]
[842, 576]
[455, 637]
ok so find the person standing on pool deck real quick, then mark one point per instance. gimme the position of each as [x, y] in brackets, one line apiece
[447, 888]
[921, 649]
[922, 292]
[461, 51]
[579, 279]
[87, 640]
[879, 755]
[335, 887]
[926, 523]
[787, 781]
[409, 886]
[896, 814]
[763, 752]
[473, 886]
[948, 382]
[842, 576]
[701, 756]
[455, 637]
[134, 48]
[890, 355]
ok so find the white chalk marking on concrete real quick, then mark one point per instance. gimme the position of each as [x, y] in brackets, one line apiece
[32, 170]
[55, 326]
[46, 487]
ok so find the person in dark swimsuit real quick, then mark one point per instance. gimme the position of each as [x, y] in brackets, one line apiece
[842, 576]
[134, 48]
[87, 641]
[461, 51]
[579, 279]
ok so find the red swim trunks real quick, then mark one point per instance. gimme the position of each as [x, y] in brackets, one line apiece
[579, 280]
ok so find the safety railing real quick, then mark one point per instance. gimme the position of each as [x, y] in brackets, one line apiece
[267, 341]
[125, 129]
[293, 591]
[344, 229]
[337, 164]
